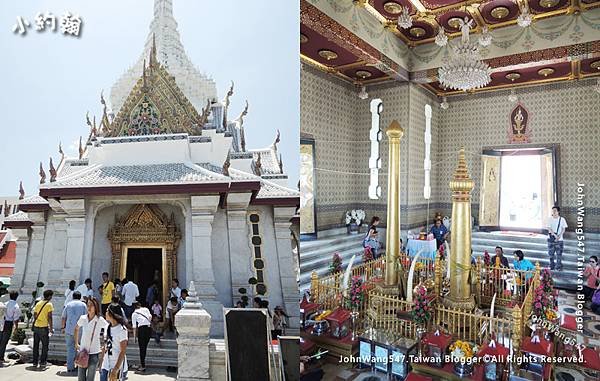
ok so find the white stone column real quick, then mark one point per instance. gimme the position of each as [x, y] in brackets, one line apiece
[193, 325]
[75, 220]
[287, 272]
[34, 259]
[203, 214]
[22, 250]
[239, 246]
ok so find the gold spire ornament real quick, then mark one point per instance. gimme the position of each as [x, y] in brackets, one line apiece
[60, 150]
[277, 140]
[21, 191]
[461, 186]
[42, 174]
[394, 133]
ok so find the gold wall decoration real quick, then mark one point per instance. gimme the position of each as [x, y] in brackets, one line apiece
[145, 225]
[519, 130]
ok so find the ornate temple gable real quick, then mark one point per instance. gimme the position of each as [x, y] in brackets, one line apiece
[142, 219]
[156, 105]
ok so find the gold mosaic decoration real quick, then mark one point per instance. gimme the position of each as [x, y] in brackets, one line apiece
[156, 105]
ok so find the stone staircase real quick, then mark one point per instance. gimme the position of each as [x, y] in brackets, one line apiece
[158, 357]
[535, 248]
[316, 255]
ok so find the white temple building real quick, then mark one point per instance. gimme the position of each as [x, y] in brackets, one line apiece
[164, 187]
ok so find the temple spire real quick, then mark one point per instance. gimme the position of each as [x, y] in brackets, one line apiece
[52, 171]
[163, 8]
[226, 105]
[42, 174]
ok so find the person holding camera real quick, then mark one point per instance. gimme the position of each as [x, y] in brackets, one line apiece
[556, 228]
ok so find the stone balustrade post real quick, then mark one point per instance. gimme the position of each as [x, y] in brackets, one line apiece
[193, 353]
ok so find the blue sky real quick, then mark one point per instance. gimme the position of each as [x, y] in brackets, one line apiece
[48, 81]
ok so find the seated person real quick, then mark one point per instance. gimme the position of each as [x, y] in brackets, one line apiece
[520, 263]
[592, 277]
[440, 232]
[499, 260]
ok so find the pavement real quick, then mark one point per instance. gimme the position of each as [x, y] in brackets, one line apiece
[15, 371]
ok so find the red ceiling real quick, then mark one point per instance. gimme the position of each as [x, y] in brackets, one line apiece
[585, 66]
[379, 6]
[429, 31]
[528, 74]
[443, 20]
[316, 42]
[536, 7]
[434, 4]
[375, 73]
[487, 8]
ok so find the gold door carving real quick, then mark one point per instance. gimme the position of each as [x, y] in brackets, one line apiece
[145, 225]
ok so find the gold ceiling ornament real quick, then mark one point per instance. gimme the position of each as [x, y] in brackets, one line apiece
[548, 3]
[512, 76]
[328, 54]
[417, 31]
[303, 38]
[454, 22]
[595, 65]
[546, 71]
[363, 74]
[392, 7]
[156, 105]
[145, 225]
[499, 12]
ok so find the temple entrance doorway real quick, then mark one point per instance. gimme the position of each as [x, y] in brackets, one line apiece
[145, 267]
[519, 187]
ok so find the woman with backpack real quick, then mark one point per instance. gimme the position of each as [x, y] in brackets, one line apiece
[141, 319]
[372, 237]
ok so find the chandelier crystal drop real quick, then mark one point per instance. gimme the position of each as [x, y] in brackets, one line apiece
[512, 97]
[464, 70]
[404, 20]
[486, 37]
[524, 19]
[441, 39]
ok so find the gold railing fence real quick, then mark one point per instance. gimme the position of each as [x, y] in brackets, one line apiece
[496, 280]
[382, 314]
[424, 269]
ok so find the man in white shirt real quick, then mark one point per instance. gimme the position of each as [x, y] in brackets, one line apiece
[130, 293]
[86, 290]
[69, 292]
[175, 290]
[11, 322]
[556, 229]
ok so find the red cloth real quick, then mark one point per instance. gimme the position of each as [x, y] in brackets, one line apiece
[591, 358]
[568, 322]
[417, 377]
[442, 341]
[500, 352]
[544, 347]
[338, 316]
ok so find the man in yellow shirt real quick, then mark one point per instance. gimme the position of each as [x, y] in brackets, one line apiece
[42, 328]
[108, 291]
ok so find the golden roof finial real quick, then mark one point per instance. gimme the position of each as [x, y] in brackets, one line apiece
[52, 171]
[60, 150]
[240, 119]
[21, 191]
[226, 105]
[42, 174]
[277, 139]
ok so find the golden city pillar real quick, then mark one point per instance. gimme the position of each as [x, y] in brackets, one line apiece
[460, 249]
[394, 133]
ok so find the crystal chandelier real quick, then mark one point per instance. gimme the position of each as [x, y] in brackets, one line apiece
[486, 37]
[441, 39]
[464, 69]
[524, 19]
[404, 20]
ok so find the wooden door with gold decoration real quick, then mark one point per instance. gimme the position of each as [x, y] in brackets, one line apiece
[489, 198]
